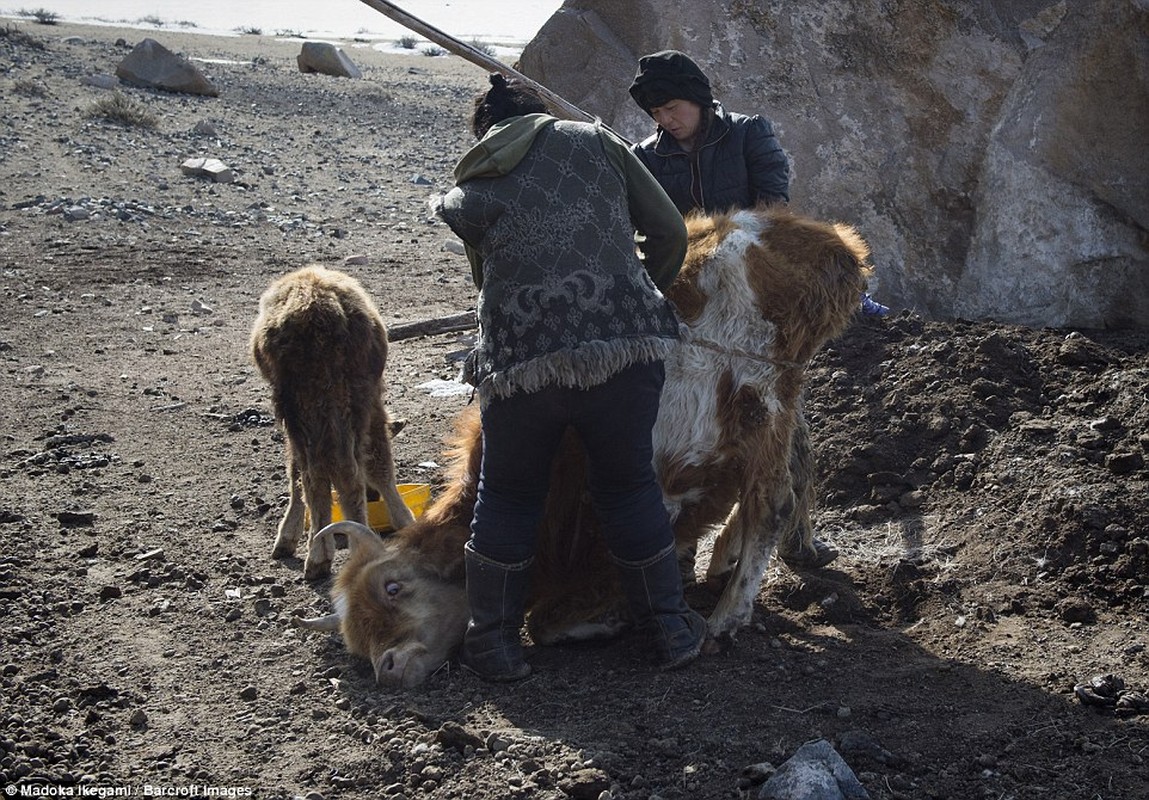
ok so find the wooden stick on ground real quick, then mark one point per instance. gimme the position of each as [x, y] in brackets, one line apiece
[429, 327]
[475, 56]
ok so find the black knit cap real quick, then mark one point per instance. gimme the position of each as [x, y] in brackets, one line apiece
[503, 100]
[669, 75]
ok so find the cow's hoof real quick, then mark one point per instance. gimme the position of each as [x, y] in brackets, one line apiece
[282, 551]
[316, 570]
[716, 582]
[822, 554]
[716, 645]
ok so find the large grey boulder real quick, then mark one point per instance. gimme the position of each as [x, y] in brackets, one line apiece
[152, 65]
[992, 153]
[1063, 193]
[326, 59]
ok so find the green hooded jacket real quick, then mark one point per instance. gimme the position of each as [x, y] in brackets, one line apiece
[657, 223]
[549, 210]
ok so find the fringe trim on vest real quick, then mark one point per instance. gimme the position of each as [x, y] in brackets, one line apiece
[581, 368]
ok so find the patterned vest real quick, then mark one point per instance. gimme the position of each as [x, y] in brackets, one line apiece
[565, 300]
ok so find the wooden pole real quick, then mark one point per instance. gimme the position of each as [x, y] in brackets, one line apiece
[475, 56]
[464, 321]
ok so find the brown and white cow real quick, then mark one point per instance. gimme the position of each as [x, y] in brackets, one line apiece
[759, 293]
[321, 344]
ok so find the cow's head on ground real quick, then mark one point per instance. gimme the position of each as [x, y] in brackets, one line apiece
[400, 599]
[395, 606]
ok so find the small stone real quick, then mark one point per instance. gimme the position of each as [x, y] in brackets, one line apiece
[1124, 463]
[758, 773]
[192, 166]
[76, 519]
[1075, 610]
[585, 784]
[454, 735]
[216, 170]
[249, 693]
[101, 81]
[139, 718]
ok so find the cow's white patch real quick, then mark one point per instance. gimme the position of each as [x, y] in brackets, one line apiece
[339, 600]
[731, 336]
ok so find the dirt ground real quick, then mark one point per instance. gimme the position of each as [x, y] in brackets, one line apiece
[987, 486]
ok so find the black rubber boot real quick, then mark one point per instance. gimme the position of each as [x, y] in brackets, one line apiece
[654, 590]
[496, 593]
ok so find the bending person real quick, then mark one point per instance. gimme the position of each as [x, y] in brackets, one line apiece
[573, 329]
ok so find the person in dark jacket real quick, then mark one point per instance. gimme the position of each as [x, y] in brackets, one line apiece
[714, 160]
[573, 330]
[704, 156]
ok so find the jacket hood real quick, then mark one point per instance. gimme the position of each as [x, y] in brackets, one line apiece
[504, 146]
[668, 75]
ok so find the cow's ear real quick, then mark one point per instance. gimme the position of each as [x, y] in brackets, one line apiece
[441, 549]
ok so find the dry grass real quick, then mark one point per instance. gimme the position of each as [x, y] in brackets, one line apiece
[11, 33]
[29, 88]
[41, 15]
[119, 108]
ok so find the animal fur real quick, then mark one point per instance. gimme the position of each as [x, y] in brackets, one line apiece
[321, 344]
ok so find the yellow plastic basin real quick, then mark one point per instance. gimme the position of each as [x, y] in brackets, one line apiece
[415, 497]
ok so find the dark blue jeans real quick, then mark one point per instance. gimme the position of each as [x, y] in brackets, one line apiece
[521, 435]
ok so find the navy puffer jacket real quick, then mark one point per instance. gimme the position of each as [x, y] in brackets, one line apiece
[740, 165]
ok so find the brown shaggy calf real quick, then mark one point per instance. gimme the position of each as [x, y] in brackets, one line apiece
[760, 292]
[320, 343]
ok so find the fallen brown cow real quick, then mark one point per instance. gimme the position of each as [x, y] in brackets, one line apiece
[760, 292]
